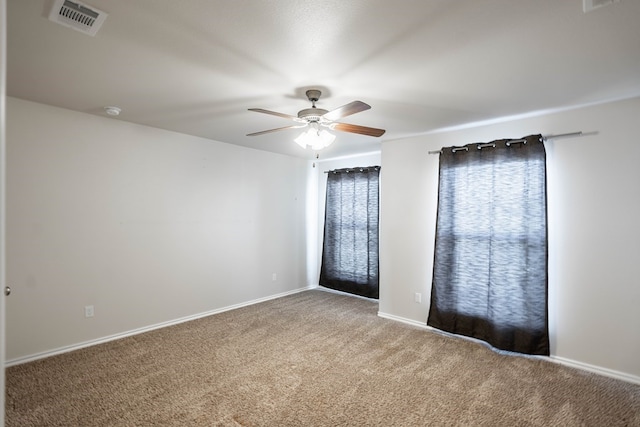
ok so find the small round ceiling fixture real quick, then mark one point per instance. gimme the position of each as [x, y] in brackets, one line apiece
[113, 111]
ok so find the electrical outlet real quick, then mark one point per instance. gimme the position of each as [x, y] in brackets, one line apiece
[88, 311]
[417, 297]
[274, 277]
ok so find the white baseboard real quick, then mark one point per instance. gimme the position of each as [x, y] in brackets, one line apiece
[66, 349]
[556, 359]
[422, 325]
[596, 369]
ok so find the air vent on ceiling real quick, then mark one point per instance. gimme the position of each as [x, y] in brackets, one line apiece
[589, 5]
[81, 17]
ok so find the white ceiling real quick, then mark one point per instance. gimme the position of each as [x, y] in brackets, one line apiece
[196, 66]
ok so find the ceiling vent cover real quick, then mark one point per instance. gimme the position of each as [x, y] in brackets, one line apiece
[78, 16]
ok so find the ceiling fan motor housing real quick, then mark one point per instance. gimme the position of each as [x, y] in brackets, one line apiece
[312, 114]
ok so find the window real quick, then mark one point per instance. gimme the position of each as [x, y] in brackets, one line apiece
[350, 247]
[490, 264]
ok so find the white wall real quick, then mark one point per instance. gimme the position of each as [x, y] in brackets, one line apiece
[594, 229]
[146, 225]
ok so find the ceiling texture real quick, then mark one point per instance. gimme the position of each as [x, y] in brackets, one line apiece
[197, 66]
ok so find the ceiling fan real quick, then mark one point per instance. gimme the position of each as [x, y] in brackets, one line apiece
[315, 117]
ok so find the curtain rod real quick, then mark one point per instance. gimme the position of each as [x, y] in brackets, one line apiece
[355, 169]
[544, 137]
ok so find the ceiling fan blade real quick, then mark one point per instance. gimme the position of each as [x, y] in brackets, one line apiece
[363, 130]
[275, 130]
[346, 110]
[274, 113]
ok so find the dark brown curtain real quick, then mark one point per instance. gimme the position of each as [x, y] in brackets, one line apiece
[490, 264]
[350, 247]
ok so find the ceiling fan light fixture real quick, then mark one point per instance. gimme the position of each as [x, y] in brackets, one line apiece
[315, 138]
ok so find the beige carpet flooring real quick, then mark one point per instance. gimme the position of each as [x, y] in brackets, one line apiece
[311, 359]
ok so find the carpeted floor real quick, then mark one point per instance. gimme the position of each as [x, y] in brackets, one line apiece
[310, 359]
